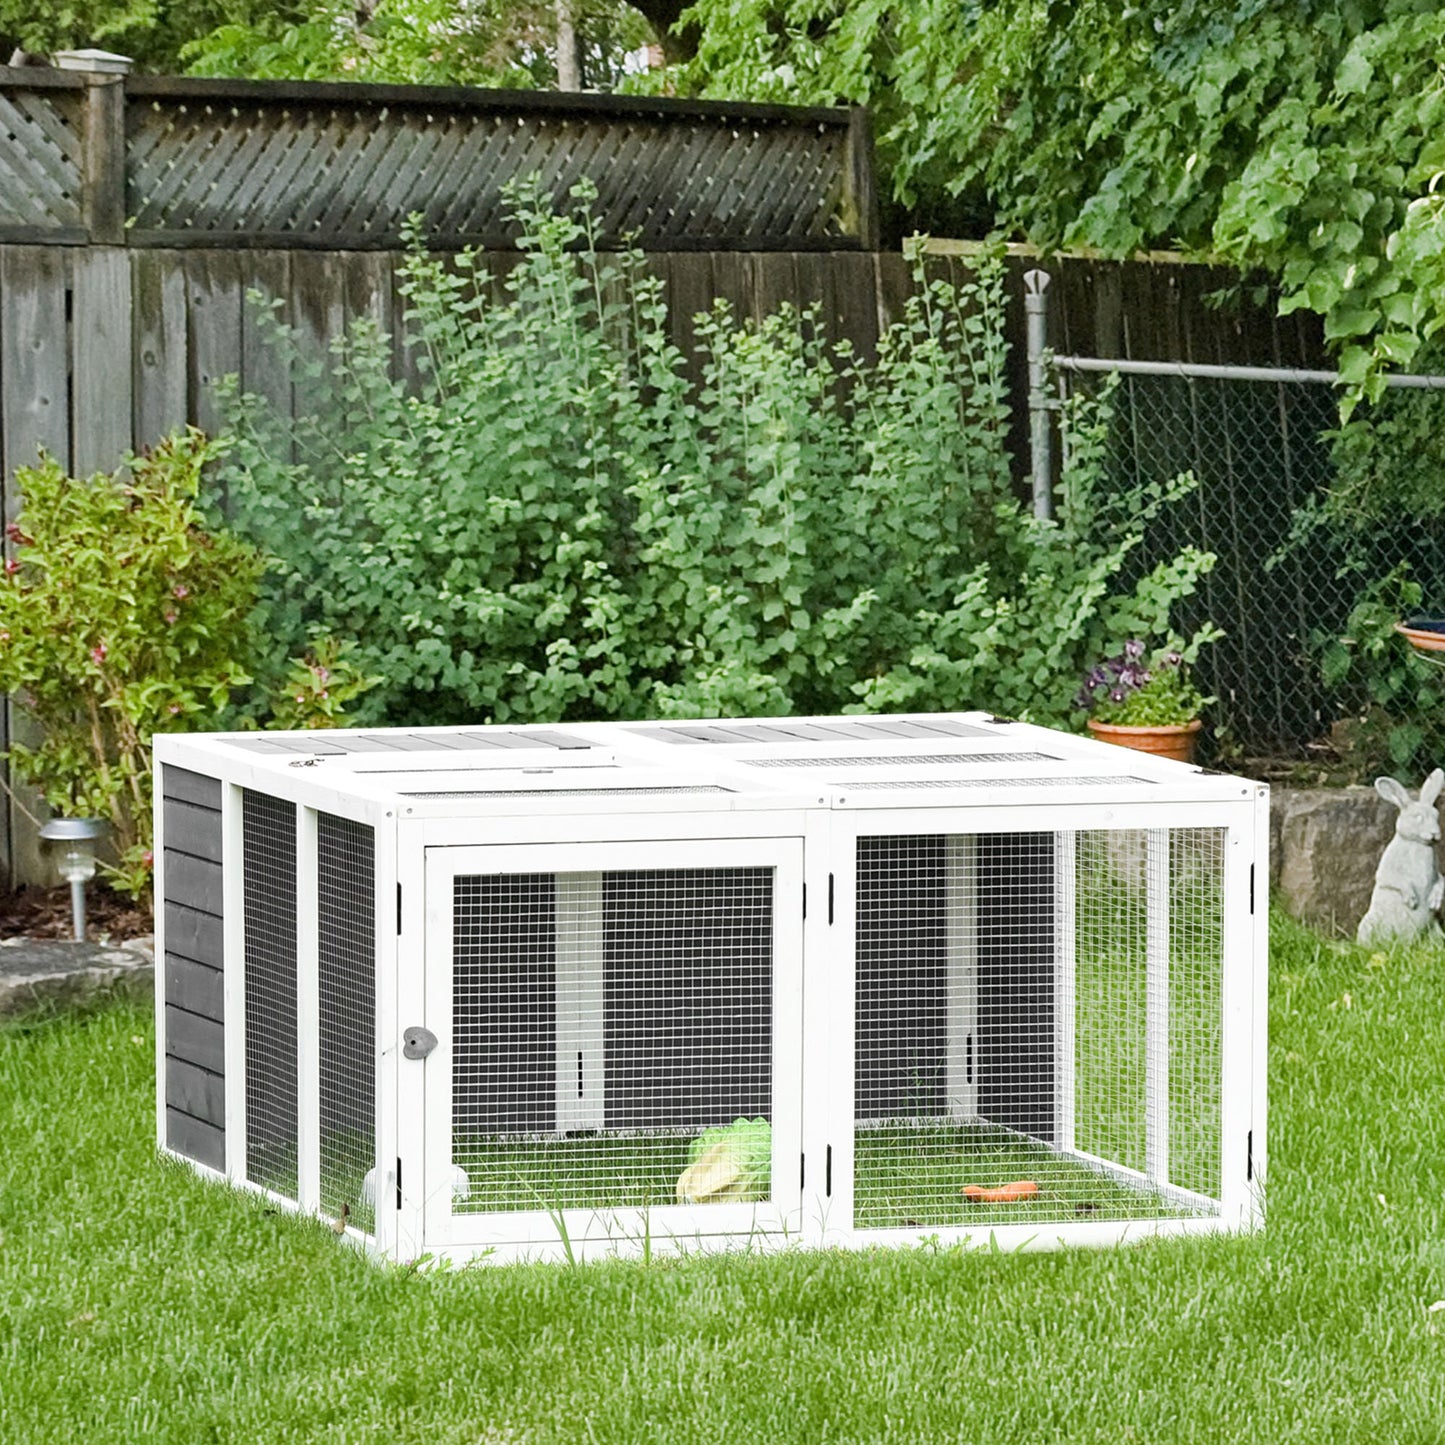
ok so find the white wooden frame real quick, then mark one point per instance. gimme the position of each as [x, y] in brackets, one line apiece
[1244, 953]
[541, 1233]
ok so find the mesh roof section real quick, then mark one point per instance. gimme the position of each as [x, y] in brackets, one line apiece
[789, 732]
[571, 792]
[1065, 782]
[494, 740]
[902, 760]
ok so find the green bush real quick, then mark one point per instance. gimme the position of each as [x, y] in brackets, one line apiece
[551, 521]
[120, 617]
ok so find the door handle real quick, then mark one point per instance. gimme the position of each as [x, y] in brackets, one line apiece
[417, 1043]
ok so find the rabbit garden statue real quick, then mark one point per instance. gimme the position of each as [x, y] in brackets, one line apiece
[1408, 886]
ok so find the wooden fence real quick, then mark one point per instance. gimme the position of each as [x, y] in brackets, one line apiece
[158, 161]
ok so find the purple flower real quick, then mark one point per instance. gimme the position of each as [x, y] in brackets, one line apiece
[1173, 659]
[1117, 695]
[1133, 648]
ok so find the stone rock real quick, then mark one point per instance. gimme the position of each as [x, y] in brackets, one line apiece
[41, 974]
[1324, 847]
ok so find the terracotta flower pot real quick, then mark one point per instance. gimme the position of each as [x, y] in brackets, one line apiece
[1424, 634]
[1173, 740]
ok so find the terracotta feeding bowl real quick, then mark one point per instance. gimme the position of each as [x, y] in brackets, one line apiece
[1425, 634]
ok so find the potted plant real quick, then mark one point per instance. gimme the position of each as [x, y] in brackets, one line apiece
[1144, 701]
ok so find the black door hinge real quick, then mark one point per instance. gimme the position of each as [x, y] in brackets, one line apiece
[830, 898]
[398, 909]
[1251, 888]
[1249, 1155]
[802, 1169]
[398, 1181]
[805, 903]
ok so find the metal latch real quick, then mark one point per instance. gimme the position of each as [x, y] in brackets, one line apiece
[417, 1043]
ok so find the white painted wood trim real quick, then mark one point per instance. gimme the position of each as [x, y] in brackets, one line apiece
[960, 873]
[388, 1033]
[1065, 990]
[580, 1070]
[423, 1087]
[1242, 964]
[233, 922]
[308, 1020]
[1156, 1007]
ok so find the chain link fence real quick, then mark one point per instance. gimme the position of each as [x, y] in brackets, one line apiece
[1260, 445]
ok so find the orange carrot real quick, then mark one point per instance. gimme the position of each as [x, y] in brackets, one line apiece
[1004, 1194]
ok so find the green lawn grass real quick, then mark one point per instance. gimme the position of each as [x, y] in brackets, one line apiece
[140, 1304]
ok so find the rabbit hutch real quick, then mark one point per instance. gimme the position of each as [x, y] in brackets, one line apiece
[569, 991]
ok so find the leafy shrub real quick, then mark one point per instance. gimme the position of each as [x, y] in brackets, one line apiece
[320, 686]
[1391, 698]
[553, 522]
[120, 617]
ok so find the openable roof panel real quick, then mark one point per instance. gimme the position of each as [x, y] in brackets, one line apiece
[727, 763]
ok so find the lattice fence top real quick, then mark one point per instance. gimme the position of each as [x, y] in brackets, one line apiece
[329, 169]
[41, 135]
[155, 161]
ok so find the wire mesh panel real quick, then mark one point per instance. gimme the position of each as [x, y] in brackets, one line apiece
[1196, 974]
[604, 1022]
[346, 1017]
[1149, 961]
[1038, 1027]
[269, 893]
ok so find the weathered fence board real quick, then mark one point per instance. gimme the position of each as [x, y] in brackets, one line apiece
[160, 360]
[34, 414]
[101, 395]
[215, 298]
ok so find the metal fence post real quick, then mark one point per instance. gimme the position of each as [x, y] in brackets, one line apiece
[1041, 441]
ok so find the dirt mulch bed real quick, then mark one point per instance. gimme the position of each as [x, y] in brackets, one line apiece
[45, 913]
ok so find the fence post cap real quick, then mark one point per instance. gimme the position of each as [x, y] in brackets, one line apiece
[97, 62]
[1036, 282]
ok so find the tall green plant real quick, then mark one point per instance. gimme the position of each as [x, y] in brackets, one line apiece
[121, 616]
[552, 521]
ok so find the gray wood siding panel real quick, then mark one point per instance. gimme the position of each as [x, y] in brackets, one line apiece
[196, 1091]
[193, 882]
[195, 1138]
[195, 987]
[195, 1039]
[194, 935]
[192, 830]
[188, 787]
